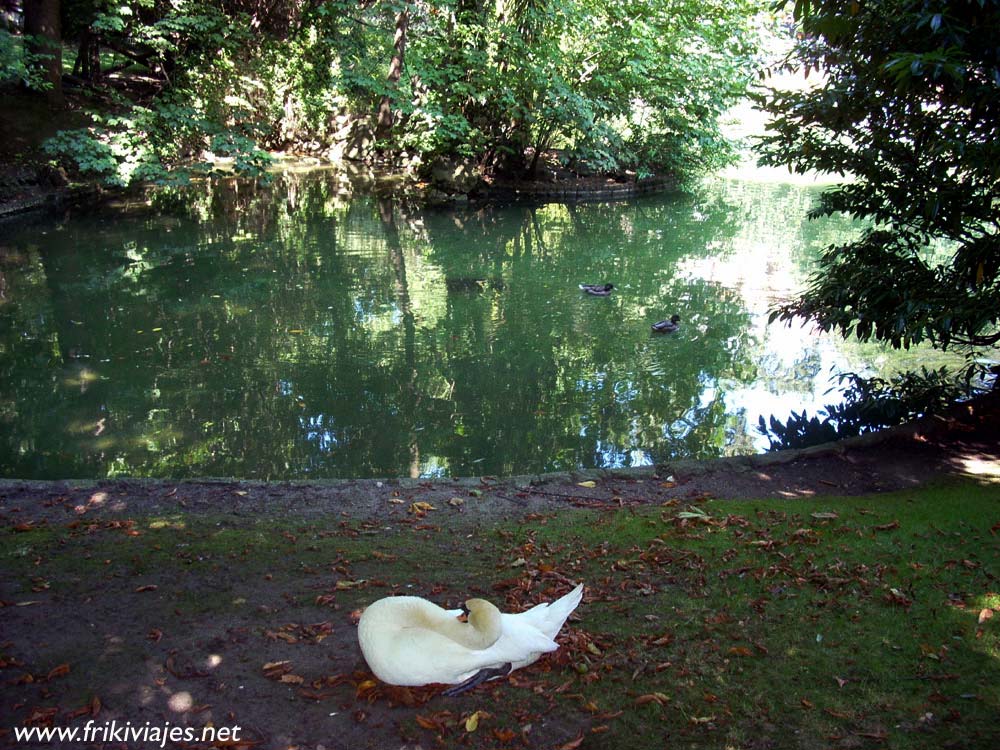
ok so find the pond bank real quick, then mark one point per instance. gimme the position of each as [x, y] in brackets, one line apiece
[962, 443]
[39, 189]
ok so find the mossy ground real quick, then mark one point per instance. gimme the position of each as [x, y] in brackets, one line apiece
[836, 622]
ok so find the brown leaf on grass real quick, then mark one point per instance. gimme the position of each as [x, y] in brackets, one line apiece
[343, 585]
[366, 689]
[740, 651]
[887, 526]
[664, 640]
[402, 696]
[62, 669]
[274, 670]
[898, 598]
[436, 722]
[574, 743]
[507, 735]
[421, 508]
[147, 587]
[44, 716]
[659, 699]
[985, 614]
[154, 635]
[76, 713]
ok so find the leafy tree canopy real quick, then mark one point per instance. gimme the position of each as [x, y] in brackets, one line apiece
[907, 110]
[636, 85]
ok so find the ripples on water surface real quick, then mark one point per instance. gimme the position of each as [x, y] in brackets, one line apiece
[291, 332]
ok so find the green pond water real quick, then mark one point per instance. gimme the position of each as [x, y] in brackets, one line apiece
[299, 331]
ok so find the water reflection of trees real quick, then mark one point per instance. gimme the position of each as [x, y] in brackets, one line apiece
[288, 330]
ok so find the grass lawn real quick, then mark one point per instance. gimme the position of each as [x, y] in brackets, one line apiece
[835, 623]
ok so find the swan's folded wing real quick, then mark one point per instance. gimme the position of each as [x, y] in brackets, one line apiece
[524, 637]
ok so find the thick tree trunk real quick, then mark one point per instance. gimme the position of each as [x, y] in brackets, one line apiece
[41, 26]
[385, 114]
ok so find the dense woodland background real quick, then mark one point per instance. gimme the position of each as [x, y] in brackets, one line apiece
[636, 85]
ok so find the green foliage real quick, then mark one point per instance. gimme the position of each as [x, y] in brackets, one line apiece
[163, 140]
[620, 87]
[639, 86]
[910, 110]
[19, 65]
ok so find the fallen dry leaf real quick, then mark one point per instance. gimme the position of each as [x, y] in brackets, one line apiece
[343, 585]
[659, 699]
[506, 735]
[573, 744]
[420, 508]
[472, 721]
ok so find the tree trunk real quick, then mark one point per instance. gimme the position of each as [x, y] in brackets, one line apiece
[41, 26]
[385, 114]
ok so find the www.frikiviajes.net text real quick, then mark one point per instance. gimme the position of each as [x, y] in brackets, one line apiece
[114, 731]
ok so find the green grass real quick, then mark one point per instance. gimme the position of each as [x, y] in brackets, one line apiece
[779, 620]
[848, 623]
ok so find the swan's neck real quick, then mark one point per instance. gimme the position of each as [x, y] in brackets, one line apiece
[480, 632]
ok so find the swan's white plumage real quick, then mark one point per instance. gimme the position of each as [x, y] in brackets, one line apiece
[407, 640]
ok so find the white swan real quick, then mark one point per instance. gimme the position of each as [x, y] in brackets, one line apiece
[407, 640]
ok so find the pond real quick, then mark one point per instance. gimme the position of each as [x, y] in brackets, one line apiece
[297, 330]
